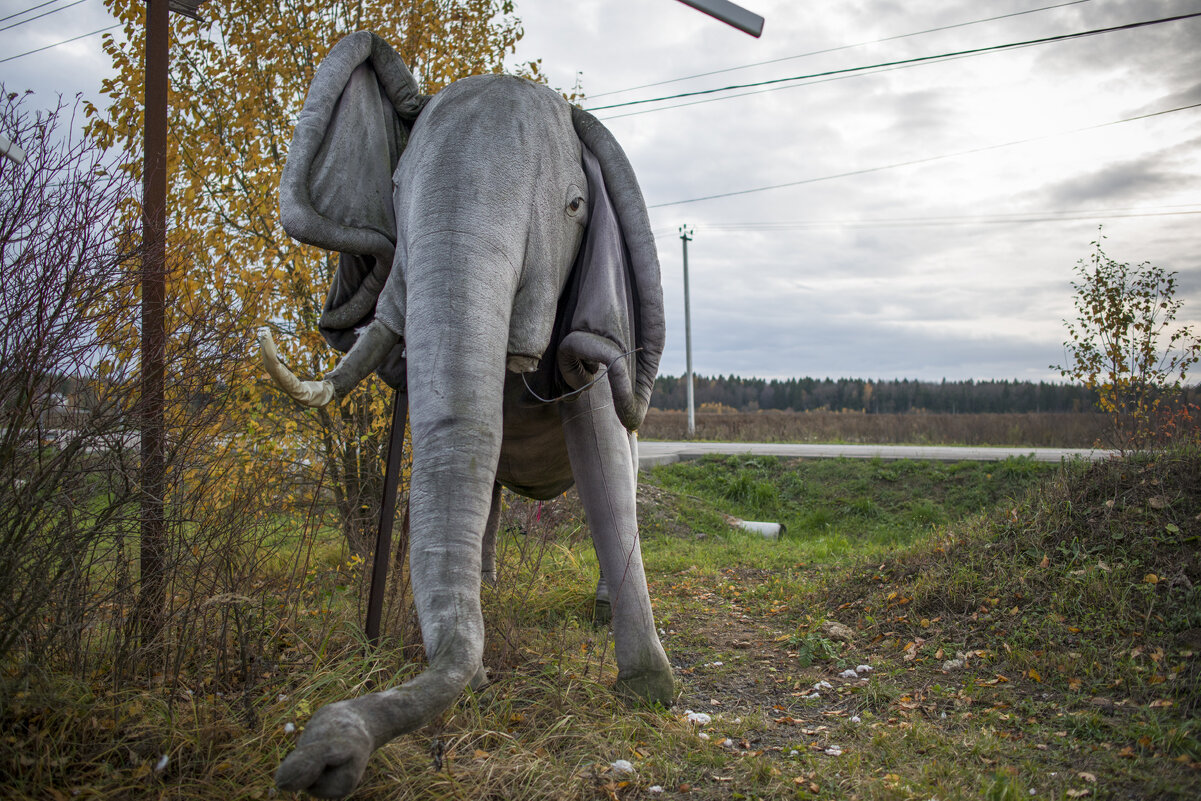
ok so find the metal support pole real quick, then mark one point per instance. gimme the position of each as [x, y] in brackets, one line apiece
[154, 256]
[387, 513]
[686, 237]
[731, 14]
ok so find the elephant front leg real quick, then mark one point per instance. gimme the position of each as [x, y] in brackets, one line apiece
[603, 463]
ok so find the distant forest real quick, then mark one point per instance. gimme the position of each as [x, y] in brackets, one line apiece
[859, 395]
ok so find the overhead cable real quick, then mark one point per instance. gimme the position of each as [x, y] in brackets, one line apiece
[39, 16]
[26, 11]
[915, 60]
[973, 219]
[836, 49]
[56, 44]
[926, 160]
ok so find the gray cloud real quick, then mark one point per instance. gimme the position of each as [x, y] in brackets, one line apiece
[961, 299]
[1126, 182]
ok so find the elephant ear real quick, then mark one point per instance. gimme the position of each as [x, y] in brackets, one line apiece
[612, 313]
[336, 187]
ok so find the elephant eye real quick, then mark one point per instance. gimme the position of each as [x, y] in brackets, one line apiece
[575, 201]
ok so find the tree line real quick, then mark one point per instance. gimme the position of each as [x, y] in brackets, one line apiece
[874, 396]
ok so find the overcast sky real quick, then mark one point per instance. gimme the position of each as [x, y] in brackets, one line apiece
[932, 261]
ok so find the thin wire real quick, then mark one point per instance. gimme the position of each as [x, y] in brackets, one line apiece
[926, 160]
[39, 16]
[938, 221]
[916, 60]
[786, 87]
[835, 49]
[56, 44]
[573, 392]
[1075, 215]
[26, 11]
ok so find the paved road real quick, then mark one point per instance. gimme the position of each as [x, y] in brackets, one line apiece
[653, 453]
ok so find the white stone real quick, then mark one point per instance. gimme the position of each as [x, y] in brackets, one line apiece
[699, 718]
[848, 674]
[622, 766]
[833, 751]
[289, 727]
[864, 669]
[837, 631]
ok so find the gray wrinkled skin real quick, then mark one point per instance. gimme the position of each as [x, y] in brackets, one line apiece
[491, 204]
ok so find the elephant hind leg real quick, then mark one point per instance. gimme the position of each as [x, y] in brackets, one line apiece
[602, 608]
[488, 554]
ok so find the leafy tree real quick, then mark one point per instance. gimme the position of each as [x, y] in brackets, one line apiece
[1125, 344]
[237, 84]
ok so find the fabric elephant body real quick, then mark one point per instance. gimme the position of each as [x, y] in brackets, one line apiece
[495, 252]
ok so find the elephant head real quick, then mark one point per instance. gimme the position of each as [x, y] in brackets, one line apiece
[490, 229]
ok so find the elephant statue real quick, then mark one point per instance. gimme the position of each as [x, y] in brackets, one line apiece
[496, 264]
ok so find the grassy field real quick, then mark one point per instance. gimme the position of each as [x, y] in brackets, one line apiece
[1030, 633]
[1046, 430]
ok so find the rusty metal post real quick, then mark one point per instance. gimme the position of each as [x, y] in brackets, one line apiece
[151, 593]
[387, 513]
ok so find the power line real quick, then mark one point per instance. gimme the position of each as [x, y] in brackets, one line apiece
[1081, 215]
[26, 11]
[916, 60]
[56, 44]
[837, 49]
[830, 79]
[39, 16]
[926, 160]
[1084, 215]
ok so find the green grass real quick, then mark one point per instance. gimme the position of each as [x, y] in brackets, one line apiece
[1081, 674]
[833, 509]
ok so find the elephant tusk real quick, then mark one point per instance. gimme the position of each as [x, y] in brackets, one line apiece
[308, 393]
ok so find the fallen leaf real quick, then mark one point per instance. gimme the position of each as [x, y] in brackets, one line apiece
[1045, 562]
[1151, 578]
[1074, 793]
[1088, 777]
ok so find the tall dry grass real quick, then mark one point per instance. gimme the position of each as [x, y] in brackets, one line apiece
[1050, 430]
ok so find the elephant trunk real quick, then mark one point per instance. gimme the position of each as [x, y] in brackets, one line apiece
[456, 335]
[456, 330]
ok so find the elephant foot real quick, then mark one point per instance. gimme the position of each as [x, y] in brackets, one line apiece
[602, 612]
[330, 756]
[653, 685]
